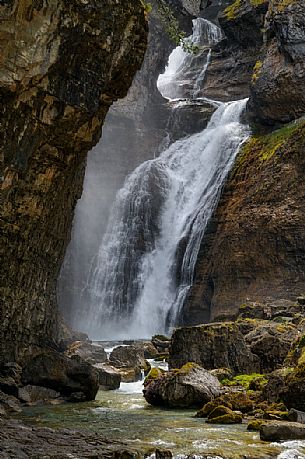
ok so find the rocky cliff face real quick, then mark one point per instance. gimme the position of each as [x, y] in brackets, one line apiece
[253, 249]
[62, 65]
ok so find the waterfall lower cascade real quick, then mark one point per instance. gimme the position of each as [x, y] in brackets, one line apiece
[145, 265]
[144, 268]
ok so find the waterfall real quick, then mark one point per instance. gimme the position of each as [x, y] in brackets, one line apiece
[145, 265]
[186, 68]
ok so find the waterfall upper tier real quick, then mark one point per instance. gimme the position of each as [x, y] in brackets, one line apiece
[185, 72]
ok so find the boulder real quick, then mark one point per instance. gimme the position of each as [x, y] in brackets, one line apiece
[127, 357]
[276, 385]
[36, 394]
[255, 425]
[236, 401]
[282, 431]
[224, 415]
[89, 352]
[296, 416]
[271, 342]
[58, 372]
[150, 351]
[161, 343]
[108, 376]
[190, 386]
[129, 361]
[215, 345]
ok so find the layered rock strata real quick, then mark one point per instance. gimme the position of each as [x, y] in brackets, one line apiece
[62, 66]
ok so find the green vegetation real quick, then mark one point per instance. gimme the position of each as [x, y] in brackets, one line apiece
[147, 6]
[232, 11]
[245, 380]
[266, 146]
[256, 71]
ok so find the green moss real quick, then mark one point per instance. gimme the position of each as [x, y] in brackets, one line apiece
[257, 71]
[232, 418]
[187, 367]
[255, 425]
[244, 380]
[154, 374]
[266, 146]
[232, 11]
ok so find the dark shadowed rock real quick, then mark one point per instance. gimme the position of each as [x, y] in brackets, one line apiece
[58, 372]
[216, 345]
[190, 386]
[282, 431]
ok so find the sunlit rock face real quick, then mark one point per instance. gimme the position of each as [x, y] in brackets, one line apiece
[62, 64]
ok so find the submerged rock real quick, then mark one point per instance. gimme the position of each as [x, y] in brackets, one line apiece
[190, 386]
[67, 376]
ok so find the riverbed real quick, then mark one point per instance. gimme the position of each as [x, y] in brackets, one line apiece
[124, 415]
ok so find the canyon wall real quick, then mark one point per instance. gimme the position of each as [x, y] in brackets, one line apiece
[253, 250]
[62, 64]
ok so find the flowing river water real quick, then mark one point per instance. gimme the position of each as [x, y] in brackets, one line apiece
[124, 415]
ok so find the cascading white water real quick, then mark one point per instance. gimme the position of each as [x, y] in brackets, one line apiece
[145, 265]
[186, 71]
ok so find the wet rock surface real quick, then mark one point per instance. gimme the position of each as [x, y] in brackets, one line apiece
[21, 441]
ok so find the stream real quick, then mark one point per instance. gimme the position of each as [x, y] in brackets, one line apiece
[124, 415]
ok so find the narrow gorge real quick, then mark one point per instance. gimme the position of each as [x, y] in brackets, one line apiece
[153, 229]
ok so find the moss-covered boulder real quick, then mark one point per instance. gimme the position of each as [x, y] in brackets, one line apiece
[225, 416]
[189, 386]
[236, 401]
